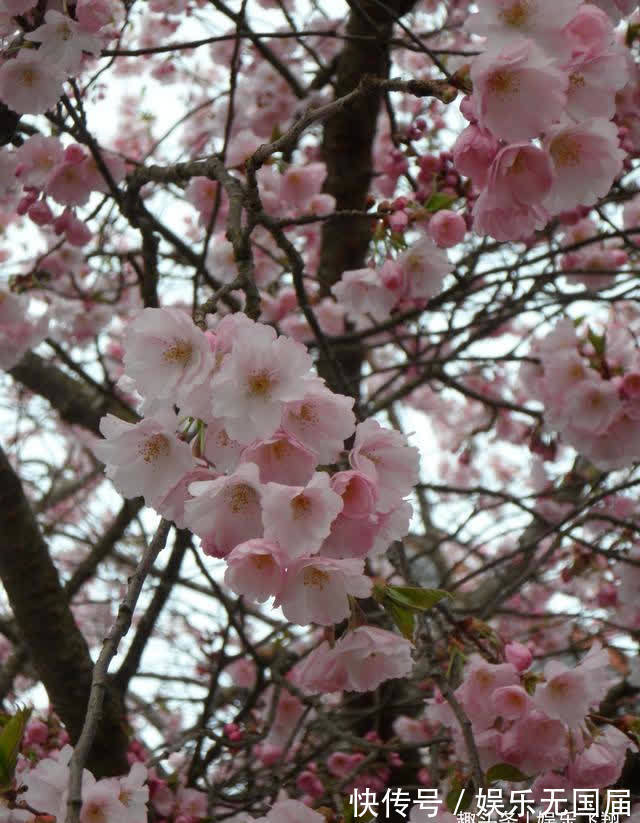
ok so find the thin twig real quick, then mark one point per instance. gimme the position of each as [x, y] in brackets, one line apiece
[99, 680]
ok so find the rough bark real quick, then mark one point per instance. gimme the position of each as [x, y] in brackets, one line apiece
[75, 402]
[51, 636]
[347, 151]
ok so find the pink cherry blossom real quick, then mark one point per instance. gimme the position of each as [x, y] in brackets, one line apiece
[317, 589]
[520, 92]
[255, 569]
[503, 21]
[385, 457]
[281, 459]
[37, 157]
[511, 206]
[29, 83]
[473, 153]
[369, 656]
[226, 511]
[254, 381]
[145, 458]
[321, 421]
[447, 228]
[586, 159]
[166, 354]
[19, 332]
[299, 518]
[425, 266]
[63, 41]
[362, 292]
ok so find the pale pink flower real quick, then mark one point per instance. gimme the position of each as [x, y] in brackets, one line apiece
[321, 421]
[481, 680]
[593, 405]
[425, 266]
[510, 702]
[171, 505]
[29, 83]
[166, 354]
[242, 672]
[226, 511]
[565, 693]
[594, 80]
[101, 802]
[94, 14]
[299, 518]
[518, 655]
[503, 21]
[15, 7]
[358, 493]
[134, 794]
[386, 458]
[586, 159]
[201, 193]
[535, 742]
[47, 783]
[351, 537]
[255, 569]
[362, 292]
[473, 153]
[220, 450]
[391, 526]
[145, 458]
[600, 763]
[447, 228]
[369, 656]
[68, 186]
[63, 41]
[19, 332]
[319, 671]
[190, 804]
[519, 92]
[510, 208]
[37, 157]
[317, 589]
[590, 31]
[281, 459]
[255, 380]
[300, 183]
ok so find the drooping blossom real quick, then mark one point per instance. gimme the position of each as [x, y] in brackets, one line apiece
[519, 91]
[299, 518]
[316, 589]
[385, 457]
[145, 458]
[226, 511]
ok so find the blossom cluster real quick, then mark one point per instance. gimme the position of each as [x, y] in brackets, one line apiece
[541, 139]
[242, 462]
[538, 724]
[19, 331]
[31, 80]
[590, 386]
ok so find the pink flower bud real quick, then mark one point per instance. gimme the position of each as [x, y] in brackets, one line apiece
[447, 228]
[518, 655]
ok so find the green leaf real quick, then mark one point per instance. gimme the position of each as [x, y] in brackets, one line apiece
[416, 598]
[10, 740]
[402, 617]
[504, 771]
[440, 200]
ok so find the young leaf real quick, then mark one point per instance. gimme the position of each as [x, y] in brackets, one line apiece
[504, 771]
[416, 598]
[10, 740]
